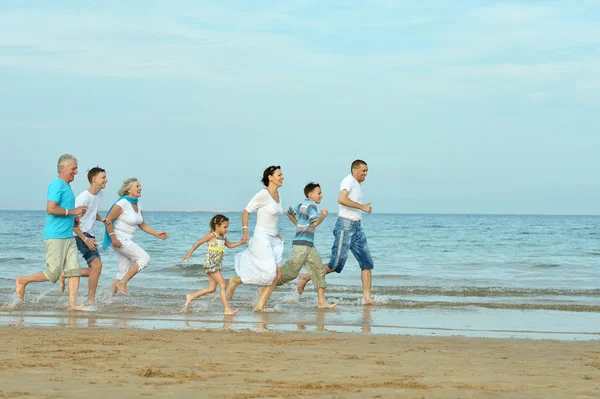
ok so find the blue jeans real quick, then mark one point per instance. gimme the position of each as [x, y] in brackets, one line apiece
[349, 236]
[88, 254]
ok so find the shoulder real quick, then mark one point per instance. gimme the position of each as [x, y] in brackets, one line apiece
[84, 196]
[347, 183]
[57, 184]
[122, 202]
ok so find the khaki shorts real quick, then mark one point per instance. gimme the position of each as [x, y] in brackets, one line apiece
[303, 255]
[61, 257]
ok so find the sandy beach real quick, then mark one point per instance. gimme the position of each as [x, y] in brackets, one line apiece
[98, 363]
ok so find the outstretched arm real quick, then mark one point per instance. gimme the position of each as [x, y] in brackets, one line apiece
[230, 244]
[146, 228]
[201, 241]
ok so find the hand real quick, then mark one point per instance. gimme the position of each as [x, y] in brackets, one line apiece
[324, 212]
[245, 235]
[91, 243]
[116, 243]
[186, 257]
[244, 239]
[106, 221]
[80, 210]
[162, 235]
[279, 236]
[367, 208]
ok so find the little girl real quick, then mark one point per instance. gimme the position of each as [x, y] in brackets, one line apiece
[216, 239]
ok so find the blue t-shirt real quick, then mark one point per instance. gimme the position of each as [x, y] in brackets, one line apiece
[60, 226]
[306, 213]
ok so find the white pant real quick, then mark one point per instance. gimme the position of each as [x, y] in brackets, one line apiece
[128, 254]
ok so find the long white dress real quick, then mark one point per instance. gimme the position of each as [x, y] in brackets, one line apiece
[258, 263]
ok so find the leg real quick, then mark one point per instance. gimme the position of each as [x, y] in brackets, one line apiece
[212, 287]
[22, 282]
[360, 250]
[138, 259]
[266, 293]
[121, 285]
[317, 271]
[365, 277]
[233, 284]
[93, 272]
[217, 277]
[73, 287]
[72, 271]
[305, 278]
[291, 268]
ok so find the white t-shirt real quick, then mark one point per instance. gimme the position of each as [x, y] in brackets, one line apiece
[267, 212]
[128, 221]
[87, 222]
[355, 193]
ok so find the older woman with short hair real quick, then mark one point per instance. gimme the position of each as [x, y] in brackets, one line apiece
[126, 216]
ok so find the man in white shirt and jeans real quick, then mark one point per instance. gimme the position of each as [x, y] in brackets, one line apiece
[84, 232]
[348, 232]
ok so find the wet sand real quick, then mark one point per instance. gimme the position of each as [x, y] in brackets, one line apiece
[99, 363]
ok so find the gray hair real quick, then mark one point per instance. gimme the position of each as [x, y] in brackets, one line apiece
[127, 183]
[64, 160]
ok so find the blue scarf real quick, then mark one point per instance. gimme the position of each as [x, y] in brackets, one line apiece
[107, 242]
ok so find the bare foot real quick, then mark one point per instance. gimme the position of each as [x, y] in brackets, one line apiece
[188, 300]
[78, 308]
[20, 289]
[368, 302]
[113, 289]
[326, 305]
[257, 309]
[61, 283]
[122, 288]
[302, 281]
[229, 312]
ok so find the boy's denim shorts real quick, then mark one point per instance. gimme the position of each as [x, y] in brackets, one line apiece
[349, 236]
[88, 254]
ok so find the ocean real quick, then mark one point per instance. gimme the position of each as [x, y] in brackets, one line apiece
[470, 275]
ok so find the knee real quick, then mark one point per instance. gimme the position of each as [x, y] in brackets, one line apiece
[212, 288]
[143, 261]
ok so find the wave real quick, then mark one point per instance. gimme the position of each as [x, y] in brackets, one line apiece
[7, 260]
[468, 291]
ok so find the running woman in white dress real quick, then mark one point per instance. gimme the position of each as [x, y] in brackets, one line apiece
[260, 264]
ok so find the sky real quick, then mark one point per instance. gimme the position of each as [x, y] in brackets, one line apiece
[457, 107]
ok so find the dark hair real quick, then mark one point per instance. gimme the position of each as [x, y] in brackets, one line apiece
[357, 163]
[217, 220]
[309, 188]
[95, 171]
[269, 172]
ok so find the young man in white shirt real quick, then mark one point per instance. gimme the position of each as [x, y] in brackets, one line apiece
[348, 232]
[84, 231]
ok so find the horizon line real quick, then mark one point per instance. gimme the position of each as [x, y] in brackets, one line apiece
[335, 213]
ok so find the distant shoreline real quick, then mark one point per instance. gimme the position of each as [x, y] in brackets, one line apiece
[335, 213]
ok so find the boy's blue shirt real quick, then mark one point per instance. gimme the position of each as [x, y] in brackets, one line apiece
[306, 214]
